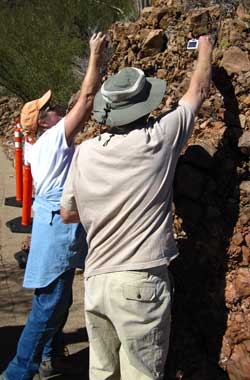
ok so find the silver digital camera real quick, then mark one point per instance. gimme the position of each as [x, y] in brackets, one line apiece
[192, 44]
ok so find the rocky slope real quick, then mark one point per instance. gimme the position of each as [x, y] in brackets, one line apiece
[211, 309]
[9, 110]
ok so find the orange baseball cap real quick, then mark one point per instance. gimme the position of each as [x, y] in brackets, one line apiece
[30, 112]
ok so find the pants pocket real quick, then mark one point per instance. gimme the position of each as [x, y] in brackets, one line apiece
[146, 323]
[139, 293]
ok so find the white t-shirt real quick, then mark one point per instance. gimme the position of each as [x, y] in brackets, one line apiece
[50, 158]
[122, 188]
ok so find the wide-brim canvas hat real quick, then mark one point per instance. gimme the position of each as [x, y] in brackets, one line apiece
[127, 96]
[30, 112]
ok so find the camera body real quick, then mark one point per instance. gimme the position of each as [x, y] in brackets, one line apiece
[192, 44]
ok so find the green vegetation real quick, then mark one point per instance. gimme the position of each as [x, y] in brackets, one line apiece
[40, 41]
[224, 44]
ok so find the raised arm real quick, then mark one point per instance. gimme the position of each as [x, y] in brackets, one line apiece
[200, 80]
[83, 107]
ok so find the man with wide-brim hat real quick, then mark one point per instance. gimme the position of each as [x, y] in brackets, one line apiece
[127, 96]
[120, 187]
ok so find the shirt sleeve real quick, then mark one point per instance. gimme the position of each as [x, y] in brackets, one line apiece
[178, 125]
[68, 200]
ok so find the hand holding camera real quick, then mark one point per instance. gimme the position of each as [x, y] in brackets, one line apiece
[203, 41]
[192, 44]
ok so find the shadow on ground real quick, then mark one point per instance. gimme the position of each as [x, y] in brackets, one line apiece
[15, 301]
[9, 336]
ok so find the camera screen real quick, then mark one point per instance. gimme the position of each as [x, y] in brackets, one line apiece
[192, 44]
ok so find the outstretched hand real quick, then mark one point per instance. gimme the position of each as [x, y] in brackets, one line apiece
[205, 43]
[97, 43]
[80, 113]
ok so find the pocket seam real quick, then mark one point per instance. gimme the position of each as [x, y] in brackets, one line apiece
[139, 293]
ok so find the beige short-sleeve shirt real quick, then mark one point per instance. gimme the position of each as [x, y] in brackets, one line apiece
[122, 187]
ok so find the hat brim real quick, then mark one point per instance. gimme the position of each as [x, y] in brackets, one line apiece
[44, 99]
[135, 110]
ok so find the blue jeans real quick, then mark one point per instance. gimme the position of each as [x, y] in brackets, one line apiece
[42, 332]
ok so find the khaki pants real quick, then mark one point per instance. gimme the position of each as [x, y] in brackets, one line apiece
[128, 323]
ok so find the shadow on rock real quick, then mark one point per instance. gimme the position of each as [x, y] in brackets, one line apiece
[79, 360]
[9, 339]
[206, 211]
[77, 336]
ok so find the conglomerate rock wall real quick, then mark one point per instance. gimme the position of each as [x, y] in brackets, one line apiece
[211, 309]
[210, 337]
[9, 110]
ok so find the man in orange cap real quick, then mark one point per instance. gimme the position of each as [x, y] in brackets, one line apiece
[30, 112]
[54, 246]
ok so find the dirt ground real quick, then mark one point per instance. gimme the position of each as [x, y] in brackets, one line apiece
[15, 301]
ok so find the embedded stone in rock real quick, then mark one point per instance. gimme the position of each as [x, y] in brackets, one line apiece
[246, 4]
[239, 363]
[245, 255]
[230, 291]
[245, 187]
[246, 100]
[162, 73]
[237, 238]
[235, 60]
[121, 30]
[243, 10]
[158, 13]
[199, 21]
[131, 56]
[9, 110]
[244, 143]
[153, 43]
[242, 283]
[235, 37]
[146, 11]
[170, 17]
[247, 239]
[242, 120]
[245, 216]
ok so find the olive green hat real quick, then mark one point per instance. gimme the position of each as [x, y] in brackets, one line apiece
[127, 96]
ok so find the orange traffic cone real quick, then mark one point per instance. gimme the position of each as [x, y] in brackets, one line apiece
[19, 160]
[27, 190]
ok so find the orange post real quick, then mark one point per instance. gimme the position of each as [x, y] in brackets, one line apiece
[27, 195]
[27, 189]
[19, 160]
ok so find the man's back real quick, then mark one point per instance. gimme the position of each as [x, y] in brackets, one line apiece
[125, 193]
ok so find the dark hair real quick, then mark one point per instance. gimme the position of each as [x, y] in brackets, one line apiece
[136, 124]
[59, 109]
